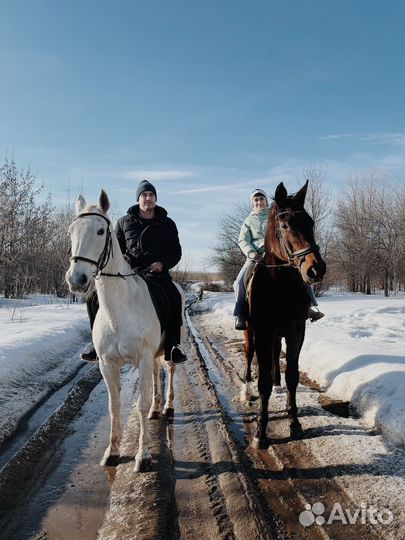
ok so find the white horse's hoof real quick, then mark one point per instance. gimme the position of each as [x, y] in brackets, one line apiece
[143, 465]
[168, 411]
[110, 460]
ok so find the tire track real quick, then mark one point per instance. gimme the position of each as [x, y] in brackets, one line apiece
[290, 476]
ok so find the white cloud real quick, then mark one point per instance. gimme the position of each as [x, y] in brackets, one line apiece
[205, 189]
[158, 174]
[395, 139]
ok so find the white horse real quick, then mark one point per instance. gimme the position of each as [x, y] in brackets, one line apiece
[126, 329]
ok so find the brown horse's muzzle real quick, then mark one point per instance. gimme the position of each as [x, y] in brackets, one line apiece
[313, 268]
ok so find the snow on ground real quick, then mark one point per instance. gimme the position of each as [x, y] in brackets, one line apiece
[37, 336]
[355, 352]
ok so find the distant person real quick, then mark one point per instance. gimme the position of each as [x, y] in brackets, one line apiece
[150, 241]
[251, 243]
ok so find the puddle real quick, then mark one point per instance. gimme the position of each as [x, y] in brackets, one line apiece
[34, 419]
[68, 497]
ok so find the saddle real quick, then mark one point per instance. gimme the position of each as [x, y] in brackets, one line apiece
[247, 278]
[160, 300]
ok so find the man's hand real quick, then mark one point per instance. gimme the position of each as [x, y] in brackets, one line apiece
[156, 267]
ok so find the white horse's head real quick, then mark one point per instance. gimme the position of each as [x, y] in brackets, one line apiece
[90, 243]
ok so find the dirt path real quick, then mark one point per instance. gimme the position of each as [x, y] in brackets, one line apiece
[206, 481]
[222, 489]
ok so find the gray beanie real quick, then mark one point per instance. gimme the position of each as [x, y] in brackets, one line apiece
[145, 185]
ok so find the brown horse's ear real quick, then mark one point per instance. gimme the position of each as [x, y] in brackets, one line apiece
[103, 201]
[280, 195]
[300, 195]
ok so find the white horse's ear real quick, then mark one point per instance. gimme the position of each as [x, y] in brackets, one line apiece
[80, 204]
[103, 201]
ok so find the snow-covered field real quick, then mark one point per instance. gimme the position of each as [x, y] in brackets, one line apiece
[37, 337]
[356, 353]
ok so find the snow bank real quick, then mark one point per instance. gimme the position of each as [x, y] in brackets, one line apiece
[36, 343]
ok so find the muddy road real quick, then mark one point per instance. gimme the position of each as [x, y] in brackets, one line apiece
[340, 482]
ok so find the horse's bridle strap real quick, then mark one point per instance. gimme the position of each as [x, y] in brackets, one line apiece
[306, 251]
[92, 214]
[101, 263]
[78, 258]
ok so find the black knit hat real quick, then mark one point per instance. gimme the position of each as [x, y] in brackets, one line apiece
[145, 185]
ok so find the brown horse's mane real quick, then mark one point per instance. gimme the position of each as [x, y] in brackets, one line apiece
[271, 242]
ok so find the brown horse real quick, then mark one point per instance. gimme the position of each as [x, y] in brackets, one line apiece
[279, 302]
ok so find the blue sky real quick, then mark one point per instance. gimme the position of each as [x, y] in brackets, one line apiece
[207, 99]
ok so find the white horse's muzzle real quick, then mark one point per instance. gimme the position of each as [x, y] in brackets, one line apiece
[78, 278]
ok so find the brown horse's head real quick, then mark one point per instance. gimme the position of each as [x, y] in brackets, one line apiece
[290, 234]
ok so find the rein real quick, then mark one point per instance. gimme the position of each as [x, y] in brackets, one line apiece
[105, 254]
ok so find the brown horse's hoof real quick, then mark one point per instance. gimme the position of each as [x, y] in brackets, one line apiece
[169, 412]
[296, 431]
[112, 461]
[261, 443]
[154, 415]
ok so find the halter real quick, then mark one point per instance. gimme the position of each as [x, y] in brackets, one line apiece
[107, 251]
[300, 253]
[105, 254]
[291, 255]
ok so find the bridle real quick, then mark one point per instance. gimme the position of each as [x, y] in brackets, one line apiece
[105, 255]
[291, 255]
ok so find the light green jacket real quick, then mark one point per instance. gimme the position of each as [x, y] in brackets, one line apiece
[251, 236]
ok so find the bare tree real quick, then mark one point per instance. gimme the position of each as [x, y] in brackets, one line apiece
[369, 219]
[319, 206]
[24, 226]
[226, 254]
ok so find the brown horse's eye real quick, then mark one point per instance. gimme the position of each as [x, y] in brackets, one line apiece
[100, 232]
[284, 226]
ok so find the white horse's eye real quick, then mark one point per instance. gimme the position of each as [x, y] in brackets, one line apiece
[100, 232]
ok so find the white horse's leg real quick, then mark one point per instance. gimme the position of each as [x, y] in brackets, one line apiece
[168, 409]
[154, 411]
[111, 375]
[143, 458]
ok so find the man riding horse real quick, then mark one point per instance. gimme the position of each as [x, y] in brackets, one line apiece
[150, 241]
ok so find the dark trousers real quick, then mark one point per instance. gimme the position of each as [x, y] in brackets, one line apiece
[175, 319]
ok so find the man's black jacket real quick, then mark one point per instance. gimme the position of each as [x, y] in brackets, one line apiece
[147, 241]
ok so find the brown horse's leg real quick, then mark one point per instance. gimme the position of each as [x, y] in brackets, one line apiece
[276, 362]
[264, 347]
[294, 343]
[245, 394]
